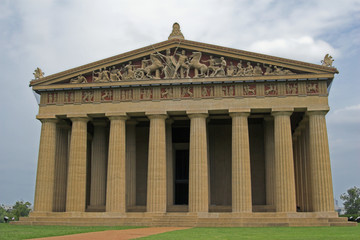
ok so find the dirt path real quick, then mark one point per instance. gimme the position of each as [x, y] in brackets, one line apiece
[115, 234]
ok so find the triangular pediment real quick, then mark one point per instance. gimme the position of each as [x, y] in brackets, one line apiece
[178, 60]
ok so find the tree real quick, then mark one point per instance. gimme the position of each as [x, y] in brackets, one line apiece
[21, 209]
[4, 213]
[351, 200]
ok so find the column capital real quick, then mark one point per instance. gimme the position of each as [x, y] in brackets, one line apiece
[47, 118]
[282, 111]
[197, 113]
[316, 112]
[318, 108]
[116, 114]
[239, 114]
[78, 117]
[189, 112]
[239, 110]
[157, 116]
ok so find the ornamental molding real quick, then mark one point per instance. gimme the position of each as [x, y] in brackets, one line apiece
[186, 92]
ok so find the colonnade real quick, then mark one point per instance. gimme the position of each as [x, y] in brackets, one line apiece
[297, 164]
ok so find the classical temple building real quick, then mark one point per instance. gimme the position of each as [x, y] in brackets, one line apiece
[182, 133]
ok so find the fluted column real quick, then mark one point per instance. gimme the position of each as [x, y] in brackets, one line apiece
[306, 175]
[269, 160]
[98, 165]
[169, 163]
[322, 191]
[284, 164]
[116, 175]
[198, 165]
[76, 184]
[156, 188]
[241, 174]
[131, 162]
[61, 164]
[44, 190]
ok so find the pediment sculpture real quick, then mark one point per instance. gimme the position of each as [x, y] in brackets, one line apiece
[328, 61]
[175, 64]
[38, 73]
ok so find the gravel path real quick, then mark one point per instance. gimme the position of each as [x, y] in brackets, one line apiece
[115, 234]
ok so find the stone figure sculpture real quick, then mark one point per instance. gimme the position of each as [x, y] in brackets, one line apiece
[154, 66]
[79, 79]
[231, 70]
[102, 76]
[211, 66]
[182, 63]
[38, 74]
[240, 69]
[257, 70]
[129, 70]
[170, 64]
[195, 63]
[220, 70]
[328, 61]
[115, 74]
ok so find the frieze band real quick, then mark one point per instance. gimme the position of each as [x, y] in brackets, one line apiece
[187, 92]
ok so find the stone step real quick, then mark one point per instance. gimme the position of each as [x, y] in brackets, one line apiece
[339, 219]
[343, 224]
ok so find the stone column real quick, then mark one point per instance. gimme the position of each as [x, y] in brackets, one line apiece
[241, 174]
[61, 165]
[131, 162]
[322, 191]
[297, 168]
[269, 160]
[76, 183]
[98, 165]
[198, 164]
[169, 163]
[116, 175]
[156, 184]
[306, 174]
[284, 163]
[44, 190]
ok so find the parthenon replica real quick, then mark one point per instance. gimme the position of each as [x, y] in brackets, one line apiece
[183, 133]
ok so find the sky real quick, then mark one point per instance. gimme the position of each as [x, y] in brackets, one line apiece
[58, 35]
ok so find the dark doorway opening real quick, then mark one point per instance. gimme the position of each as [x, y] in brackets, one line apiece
[181, 177]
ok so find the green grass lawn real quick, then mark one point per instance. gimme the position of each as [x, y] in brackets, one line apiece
[278, 233]
[10, 232]
[15, 232]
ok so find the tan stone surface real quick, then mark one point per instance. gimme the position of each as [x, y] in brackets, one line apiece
[76, 184]
[322, 191]
[259, 164]
[116, 234]
[269, 160]
[61, 165]
[284, 164]
[44, 191]
[198, 164]
[99, 155]
[116, 186]
[131, 162]
[241, 179]
[156, 190]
